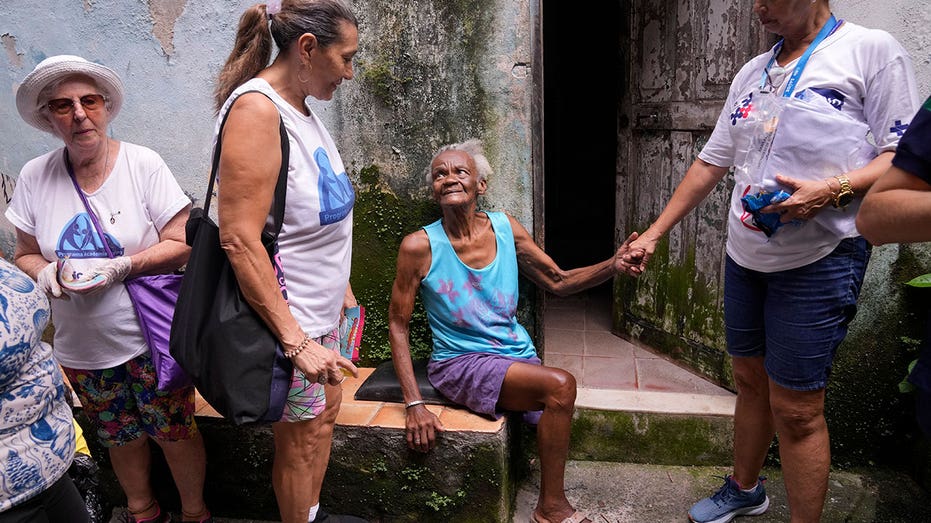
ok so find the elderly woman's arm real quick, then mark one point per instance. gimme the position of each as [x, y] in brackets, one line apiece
[171, 251]
[413, 263]
[539, 267]
[249, 164]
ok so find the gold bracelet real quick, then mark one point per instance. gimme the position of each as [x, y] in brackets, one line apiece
[292, 353]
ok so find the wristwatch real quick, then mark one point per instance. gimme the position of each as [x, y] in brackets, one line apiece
[845, 195]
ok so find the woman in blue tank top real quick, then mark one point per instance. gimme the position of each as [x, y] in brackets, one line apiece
[465, 267]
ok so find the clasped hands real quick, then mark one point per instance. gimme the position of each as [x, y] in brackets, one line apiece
[631, 256]
[59, 276]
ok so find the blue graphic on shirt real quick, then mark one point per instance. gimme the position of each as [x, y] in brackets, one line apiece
[79, 240]
[833, 96]
[744, 108]
[336, 193]
[898, 128]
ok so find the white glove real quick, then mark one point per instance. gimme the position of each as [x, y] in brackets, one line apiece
[112, 271]
[47, 279]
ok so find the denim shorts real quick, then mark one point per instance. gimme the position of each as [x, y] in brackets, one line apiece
[795, 319]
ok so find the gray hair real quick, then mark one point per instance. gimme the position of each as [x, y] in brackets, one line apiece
[473, 148]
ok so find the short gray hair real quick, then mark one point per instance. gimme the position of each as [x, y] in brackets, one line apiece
[474, 148]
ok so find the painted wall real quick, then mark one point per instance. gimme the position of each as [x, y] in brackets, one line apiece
[428, 73]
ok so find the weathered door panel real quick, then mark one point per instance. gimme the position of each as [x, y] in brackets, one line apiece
[682, 57]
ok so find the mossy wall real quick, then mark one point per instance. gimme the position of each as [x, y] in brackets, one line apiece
[870, 420]
[428, 73]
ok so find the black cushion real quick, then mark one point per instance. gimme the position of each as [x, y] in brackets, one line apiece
[382, 385]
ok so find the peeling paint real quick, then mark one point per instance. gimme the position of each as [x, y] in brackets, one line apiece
[164, 14]
[9, 45]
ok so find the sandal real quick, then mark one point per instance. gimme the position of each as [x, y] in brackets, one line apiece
[158, 517]
[203, 516]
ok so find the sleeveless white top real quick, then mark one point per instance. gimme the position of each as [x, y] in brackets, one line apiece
[315, 244]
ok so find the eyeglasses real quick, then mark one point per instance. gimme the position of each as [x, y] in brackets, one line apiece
[63, 106]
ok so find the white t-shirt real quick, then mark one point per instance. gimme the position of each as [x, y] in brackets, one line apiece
[138, 198]
[315, 244]
[862, 72]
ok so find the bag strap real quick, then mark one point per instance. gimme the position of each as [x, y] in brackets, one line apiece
[87, 207]
[281, 187]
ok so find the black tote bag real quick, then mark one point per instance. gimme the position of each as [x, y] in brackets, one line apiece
[234, 360]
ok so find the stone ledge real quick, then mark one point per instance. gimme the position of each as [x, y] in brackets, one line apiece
[470, 477]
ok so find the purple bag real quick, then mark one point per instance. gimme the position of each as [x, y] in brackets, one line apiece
[154, 298]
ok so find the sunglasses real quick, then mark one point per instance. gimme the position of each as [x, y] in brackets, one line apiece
[63, 106]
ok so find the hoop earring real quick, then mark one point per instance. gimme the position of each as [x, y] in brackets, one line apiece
[303, 80]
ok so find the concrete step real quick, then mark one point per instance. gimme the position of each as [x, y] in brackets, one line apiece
[626, 492]
[660, 428]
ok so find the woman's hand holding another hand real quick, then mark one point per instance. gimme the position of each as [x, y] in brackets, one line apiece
[640, 248]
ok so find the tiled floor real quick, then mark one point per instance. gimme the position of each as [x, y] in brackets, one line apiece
[614, 373]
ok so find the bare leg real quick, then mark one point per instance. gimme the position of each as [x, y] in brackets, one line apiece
[132, 464]
[324, 439]
[753, 420]
[804, 447]
[302, 451]
[532, 387]
[188, 463]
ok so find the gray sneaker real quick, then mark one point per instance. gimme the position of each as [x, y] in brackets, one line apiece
[729, 502]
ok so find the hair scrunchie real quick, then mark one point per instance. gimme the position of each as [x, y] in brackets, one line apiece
[272, 7]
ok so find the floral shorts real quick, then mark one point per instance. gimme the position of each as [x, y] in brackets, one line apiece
[306, 399]
[123, 403]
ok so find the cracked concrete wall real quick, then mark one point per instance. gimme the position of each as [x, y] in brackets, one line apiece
[167, 53]
[468, 83]
[428, 72]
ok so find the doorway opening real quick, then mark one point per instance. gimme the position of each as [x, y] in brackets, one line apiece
[582, 85]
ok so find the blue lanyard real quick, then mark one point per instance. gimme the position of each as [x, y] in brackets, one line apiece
[826, 30]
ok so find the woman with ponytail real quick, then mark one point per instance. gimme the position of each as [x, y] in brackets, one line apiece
[302, 294]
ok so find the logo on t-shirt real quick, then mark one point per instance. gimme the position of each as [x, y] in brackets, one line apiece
[79, 239]
[833, 96]
[336, 193]
[744, 107]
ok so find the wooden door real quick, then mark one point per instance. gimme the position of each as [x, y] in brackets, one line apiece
[681, 58]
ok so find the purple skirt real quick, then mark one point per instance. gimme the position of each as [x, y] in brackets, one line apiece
[474, 381]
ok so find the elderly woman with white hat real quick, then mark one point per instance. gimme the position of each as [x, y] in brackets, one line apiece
[140, 212]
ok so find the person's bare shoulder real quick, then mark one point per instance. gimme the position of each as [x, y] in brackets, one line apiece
[415, 245]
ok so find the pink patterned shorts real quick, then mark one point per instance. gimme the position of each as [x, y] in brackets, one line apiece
[306, 399]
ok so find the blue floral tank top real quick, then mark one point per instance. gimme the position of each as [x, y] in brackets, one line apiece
[474, 310]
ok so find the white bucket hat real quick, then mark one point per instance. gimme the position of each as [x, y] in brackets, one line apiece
[54, 68]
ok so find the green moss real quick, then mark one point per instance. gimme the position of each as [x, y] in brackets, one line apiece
[651, 438]
[381, 80]
[680, 315]
[411, 487]
[381, 220]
